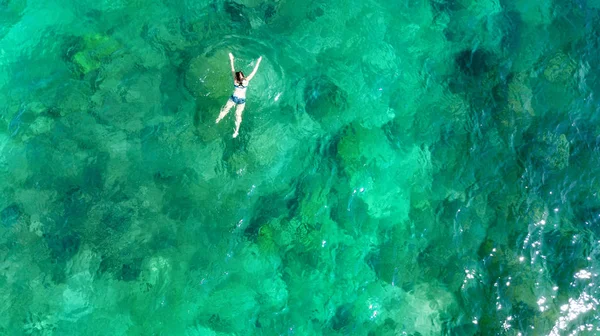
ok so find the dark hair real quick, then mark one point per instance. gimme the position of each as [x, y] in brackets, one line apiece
[239, 76]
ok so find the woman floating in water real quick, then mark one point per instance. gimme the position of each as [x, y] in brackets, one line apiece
[238, 99]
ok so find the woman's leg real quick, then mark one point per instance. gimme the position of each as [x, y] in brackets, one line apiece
[225, 110]
[238, 118]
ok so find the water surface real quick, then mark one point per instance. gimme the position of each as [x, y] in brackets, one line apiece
[403, 168]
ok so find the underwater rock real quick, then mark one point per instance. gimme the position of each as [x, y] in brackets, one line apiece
[515, 106]
[569, 251]
[206, 76]
[75, 100]
[323, 98]
[167, 35]
[253, 262]
[18, 121]
[272, 294]
[237, 14]
[96, 49]
[380, 64]
[552, 149]
[395, 260]
[265, 239]
[359, 147]
[418, 312]
[270, 147]
[365, 154]
[285, 234]
[78, 294]
[560, 68]
[343, 317]
[76, 205]
[38, 324]
[131, 271]
[156, 271]
[63, 246]
[219, 308]
[11, 12]
[474, 62]
[476, 74]
[448, 5]
[10, 215]
[208, 164]
[520, 95]
[197, 8]
[41, 125]
[199, 330]
[250, 3]
[385, 197]
[35, 200]
[510, 24]
[535, 14]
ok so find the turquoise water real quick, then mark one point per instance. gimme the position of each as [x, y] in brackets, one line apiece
[403, 168]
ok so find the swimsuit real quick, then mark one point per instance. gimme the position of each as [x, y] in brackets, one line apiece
[236, 99]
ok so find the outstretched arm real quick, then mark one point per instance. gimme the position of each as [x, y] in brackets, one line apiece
[232, 66]
[255, 69]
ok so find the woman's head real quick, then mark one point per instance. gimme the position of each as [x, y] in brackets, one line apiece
[239, 77]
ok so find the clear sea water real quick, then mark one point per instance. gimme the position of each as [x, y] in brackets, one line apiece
[412, 167]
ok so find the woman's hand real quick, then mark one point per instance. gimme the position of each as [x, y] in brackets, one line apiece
[255, 68]
[232, 66]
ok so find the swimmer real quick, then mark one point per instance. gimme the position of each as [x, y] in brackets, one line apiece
[238, 98]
